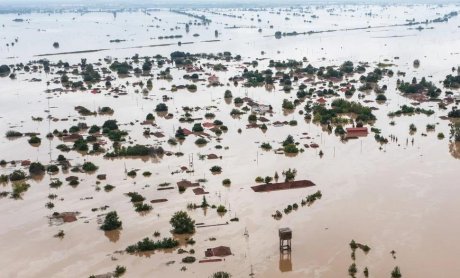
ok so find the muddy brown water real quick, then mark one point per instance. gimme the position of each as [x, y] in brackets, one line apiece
[397, 197]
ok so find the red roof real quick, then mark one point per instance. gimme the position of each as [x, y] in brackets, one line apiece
[187, 131]
[357, 130]
[321, 100]
[208, 125]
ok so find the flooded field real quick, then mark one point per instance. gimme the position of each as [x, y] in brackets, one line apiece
[112, 111]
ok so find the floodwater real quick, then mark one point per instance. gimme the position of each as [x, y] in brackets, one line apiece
[398, 196]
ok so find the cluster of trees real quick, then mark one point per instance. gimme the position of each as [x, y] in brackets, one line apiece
[309, 69]
[419, 87]
[254, 78]
[372, 77]
[288, 105]
[289, 175]
[121, 68]
[90, 74]
[17, 175]
[136, 150]
[13, 133]
[454, 113]
[407, 110]
[285, 64]
[289, 145]
[329, 72]
[150, 245]
[452, 81]
[341, 106]
[181, 58]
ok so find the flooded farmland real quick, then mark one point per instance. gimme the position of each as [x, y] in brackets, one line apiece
[158, 142]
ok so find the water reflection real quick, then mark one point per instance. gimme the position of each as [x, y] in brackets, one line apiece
[285, 263]
[113, 236]
[454, 149]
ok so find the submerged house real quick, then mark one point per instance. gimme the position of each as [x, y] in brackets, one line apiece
[321, 101]
[213, 80]
[357, 132]
[220, 251]
[261, 108]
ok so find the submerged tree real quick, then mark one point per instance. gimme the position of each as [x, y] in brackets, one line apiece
[396, 273]
[111, 222]
[182, 223]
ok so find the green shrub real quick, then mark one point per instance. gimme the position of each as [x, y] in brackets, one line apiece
[74, 183]
[216, 169]
[288, 105]
[228, 94]
[396, 273]
[150, 117]
[110, 125]
[89, 167]
[291, 149]
[197, 127]
[221, 274]
[52, 168]
[4, 178]
[132, 173]
[221, 209]
[94, 129]
[17, 175]
[80, 145]
[238, 100]
[13, 133]
[226, 182]
[188, 260]
[36, 168]
[201, 141]
[108, 187]
[161, 107]
[111, 222]
[35, 140]
[141, 207]
[135, 197]
[352, 270]
[119, 271]
[63, 148]
[381, 97]
[266, 146]
[289, 174]
[18, 189]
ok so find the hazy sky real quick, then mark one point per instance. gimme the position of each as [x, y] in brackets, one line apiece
[153, 2]
[36, 3]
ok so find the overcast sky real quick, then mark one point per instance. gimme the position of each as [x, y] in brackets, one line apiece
[25, 3]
